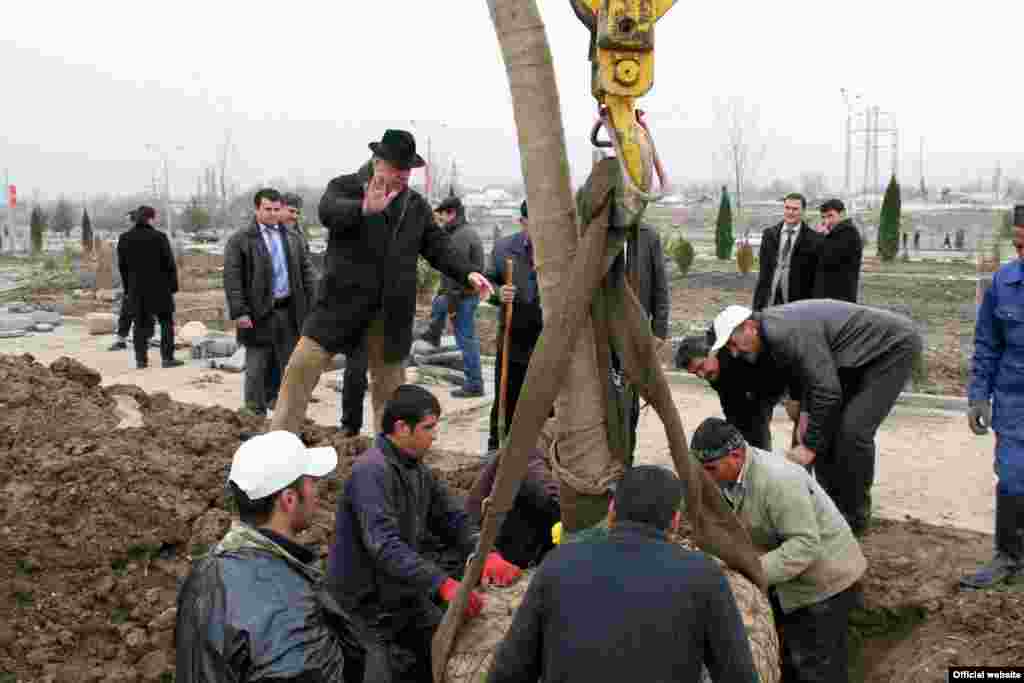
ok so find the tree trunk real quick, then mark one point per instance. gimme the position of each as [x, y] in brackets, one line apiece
[581, 434]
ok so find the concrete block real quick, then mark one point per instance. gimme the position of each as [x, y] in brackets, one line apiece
[236, 363]
[12, 321]
[101, 323]
[191, 331]
[214, 346]
[47, 317]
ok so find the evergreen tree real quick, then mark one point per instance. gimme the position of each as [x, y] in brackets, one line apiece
[723, 231]
[889, 222]
[86, 231]
[37, 227]
[62, 219]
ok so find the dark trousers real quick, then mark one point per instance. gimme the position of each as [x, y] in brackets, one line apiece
[144, 329]
[284, 335]
[125, 317]
[525, 536]
[398, 644]
[846, 470]
[516, 376]
[814, 640]
[353, 390]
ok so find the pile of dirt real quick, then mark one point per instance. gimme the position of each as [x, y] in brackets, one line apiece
[98, 523]
[100, 517]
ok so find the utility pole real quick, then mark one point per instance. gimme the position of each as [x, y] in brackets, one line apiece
[920, 165]
[848, 147]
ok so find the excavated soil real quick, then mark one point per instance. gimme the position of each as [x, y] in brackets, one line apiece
[108, 492]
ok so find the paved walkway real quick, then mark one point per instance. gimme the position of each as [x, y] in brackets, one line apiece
[930, 466]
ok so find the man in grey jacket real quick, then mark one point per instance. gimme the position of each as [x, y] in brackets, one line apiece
[269, 284]
[810, 558]
[850, 364]
[458, 301]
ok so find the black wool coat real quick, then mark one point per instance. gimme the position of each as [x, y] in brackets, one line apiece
[842, 251]
[148, 270]
[370, 267]
[803, 264]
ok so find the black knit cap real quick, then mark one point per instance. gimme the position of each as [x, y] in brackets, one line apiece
[691, 348]
[715, 438]
[1018, 215]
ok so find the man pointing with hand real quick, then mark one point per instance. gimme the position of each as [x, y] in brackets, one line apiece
[378, 227]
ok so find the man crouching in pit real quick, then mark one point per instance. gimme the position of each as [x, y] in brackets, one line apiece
[377, 566]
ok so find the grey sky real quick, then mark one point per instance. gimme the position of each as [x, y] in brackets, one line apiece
[304, 85]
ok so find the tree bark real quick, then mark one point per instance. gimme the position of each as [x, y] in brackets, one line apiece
[581, 432]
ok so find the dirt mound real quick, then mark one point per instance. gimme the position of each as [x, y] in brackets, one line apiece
[99, 518]
[98, 523]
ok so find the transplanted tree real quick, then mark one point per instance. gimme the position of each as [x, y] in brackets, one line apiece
[723, 228]
[86, 232]
[62, 218]
[889, 222]
[37, 228]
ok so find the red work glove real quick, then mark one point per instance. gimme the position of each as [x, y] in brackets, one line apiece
[500, 572]
[450, 588]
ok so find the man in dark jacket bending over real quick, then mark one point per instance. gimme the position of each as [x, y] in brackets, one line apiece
[634, 607]
[851, 363]
[378, 227]
[376, 567]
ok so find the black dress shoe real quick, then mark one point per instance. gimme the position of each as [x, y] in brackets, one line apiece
[172, 363]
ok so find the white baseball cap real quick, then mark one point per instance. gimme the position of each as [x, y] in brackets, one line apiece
[267, 463]
[726, 323]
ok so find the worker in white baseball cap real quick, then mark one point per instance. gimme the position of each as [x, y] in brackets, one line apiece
[726, 323]
[278, 463]
[251, 608]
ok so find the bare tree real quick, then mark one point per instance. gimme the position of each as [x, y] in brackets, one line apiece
[744, 147]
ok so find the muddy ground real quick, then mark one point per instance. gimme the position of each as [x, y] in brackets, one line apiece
[108, 492]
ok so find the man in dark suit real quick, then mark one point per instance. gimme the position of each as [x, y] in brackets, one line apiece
[150, 278]
[268, 282]
[527, 320]
[842, 251]
[789, 258]
[377, 229]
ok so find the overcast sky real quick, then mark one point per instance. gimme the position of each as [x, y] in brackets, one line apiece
[304, 85]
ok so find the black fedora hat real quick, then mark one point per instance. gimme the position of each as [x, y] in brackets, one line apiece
[398, 147]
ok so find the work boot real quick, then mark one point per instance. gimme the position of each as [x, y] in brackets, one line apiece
[120, 344]
[141, 361]
[171, 363]
[463, 392]
[1008, 561]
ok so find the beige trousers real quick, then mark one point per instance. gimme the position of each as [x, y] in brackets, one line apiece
[310, 360]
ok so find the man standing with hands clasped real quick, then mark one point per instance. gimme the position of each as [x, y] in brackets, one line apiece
[378, 226]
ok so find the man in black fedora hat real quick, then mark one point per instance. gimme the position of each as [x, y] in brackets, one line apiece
[378, 227]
